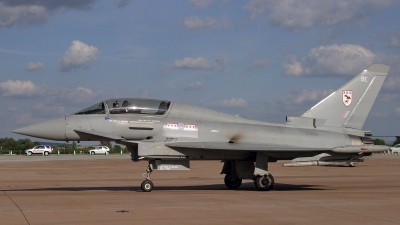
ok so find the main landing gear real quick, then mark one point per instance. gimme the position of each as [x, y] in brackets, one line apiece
[264, 183]
[232, 182]
[147, 185]
[257, 170]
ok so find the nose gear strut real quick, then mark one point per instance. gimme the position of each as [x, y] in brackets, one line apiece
[147, 185]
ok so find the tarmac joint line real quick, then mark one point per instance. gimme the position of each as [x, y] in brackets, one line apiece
[26, 219]
[355, 214]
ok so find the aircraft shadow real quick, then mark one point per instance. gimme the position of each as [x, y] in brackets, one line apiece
[216, 187]
[244, 187]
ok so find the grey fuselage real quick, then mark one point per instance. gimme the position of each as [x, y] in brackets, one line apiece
[188, 123]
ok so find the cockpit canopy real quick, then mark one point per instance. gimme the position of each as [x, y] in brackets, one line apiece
[127, 106]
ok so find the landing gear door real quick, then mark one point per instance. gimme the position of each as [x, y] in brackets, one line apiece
[170, 164]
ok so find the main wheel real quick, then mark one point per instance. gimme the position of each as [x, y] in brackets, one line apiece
[93, 153]
[46, 153]
[232, 183]
[264, 183]
[147, 186]
[29, 153]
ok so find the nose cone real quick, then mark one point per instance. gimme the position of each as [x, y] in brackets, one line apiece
[51, 129]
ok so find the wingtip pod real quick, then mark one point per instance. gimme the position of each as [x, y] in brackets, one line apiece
[318, 163]
[379, 68]
[361, 149]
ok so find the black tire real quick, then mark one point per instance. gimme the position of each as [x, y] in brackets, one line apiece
[264, 183]
[93, 153]
[29, 153]
[147, 186]
[232, 183]
[46, 153]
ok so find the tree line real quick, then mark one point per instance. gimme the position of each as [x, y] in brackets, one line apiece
[382, 142]
[7, 144]
[19, 146]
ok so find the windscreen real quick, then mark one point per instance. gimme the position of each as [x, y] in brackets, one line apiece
[137, 106]
[94, 109]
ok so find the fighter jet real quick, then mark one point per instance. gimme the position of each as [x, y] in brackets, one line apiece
[169, 134]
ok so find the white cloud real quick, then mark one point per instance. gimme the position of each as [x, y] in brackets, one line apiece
[192, 63]
[26, 118]
[78, 95]
[397, 110]
[330, 60]
[296, 103]
[48, 109]
[304, 96]
[394, 42]
[201, 3]
[22, 15]
[380, 115]
[142, 93]
[260, 63]
[34, 66]
[85, 90]
[296, 15]
[256, 8]
[200, 63]
[233, 102]
[136, 51]
[388, 97]
[194, 86]
[20, 89]
[78, 55]
[392, 83]
[28, 13]
[122, 3]
[51, 95]
[194, 22]
[391, 60]
[11, 108]
[292, 67]
[36, 111]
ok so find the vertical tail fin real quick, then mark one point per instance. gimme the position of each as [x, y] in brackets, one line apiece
[349, 105]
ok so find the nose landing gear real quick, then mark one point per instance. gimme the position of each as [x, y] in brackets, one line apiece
[147, 185]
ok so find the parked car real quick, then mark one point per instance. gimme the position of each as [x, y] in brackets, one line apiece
[40, 149]
[99, 150]
[395, 149]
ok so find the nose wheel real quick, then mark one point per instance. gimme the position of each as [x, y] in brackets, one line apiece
[147, 185]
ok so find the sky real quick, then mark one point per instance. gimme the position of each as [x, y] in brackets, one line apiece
[259, 59]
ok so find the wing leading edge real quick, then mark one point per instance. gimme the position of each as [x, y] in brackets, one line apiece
[275, 148]
[241, 147]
